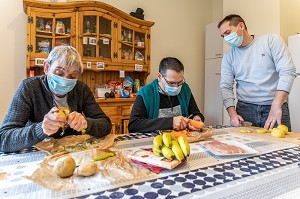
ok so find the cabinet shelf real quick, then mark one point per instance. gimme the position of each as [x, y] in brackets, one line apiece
[127, 43]
[105, 35]
[139, 47]
[44, 36]
[43, 32]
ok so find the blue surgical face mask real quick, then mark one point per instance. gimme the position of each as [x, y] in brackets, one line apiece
[60, 85]
[172, 91]
[233, 39]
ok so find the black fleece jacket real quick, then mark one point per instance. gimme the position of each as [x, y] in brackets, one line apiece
[139, 122]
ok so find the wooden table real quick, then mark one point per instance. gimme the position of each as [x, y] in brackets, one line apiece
[271, 173]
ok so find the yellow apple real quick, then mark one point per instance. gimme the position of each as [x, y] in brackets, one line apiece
[261, 130]
[279, 133]
[245, 131]
[65, 110]
[284, 128]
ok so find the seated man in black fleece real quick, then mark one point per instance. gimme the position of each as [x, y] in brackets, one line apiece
[33, 112]
[165, 103]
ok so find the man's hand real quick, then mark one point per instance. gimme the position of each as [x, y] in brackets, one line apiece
[53, 120]
[235, 119]
[275, 113]
[180, 123]
[77, 121]
[274, 116]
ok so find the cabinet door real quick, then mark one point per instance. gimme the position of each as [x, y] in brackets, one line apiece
[134, 46]
[213, 104]
[125, 126]
[97, 38]
[213, 41]
[48, 30]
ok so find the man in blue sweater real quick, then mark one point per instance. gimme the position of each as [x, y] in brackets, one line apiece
[264, 72]
[33, 112]
[165, 103]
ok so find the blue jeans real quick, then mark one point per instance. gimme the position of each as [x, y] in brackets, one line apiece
[258, 114]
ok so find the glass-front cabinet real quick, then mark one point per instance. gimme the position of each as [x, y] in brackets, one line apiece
[48, 30]
[96, 39]
[133, 46]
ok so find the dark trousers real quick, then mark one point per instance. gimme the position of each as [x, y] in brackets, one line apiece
[258, 114]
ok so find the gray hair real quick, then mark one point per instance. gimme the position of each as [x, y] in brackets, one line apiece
[67, 56]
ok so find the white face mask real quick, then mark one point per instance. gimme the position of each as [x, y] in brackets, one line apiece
[233, 39]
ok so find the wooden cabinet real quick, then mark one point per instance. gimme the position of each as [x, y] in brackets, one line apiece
[118, 110]
[108, 40]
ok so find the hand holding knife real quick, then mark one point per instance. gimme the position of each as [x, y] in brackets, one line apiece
[66, 112]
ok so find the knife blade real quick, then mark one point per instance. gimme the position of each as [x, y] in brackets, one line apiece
[246, 124]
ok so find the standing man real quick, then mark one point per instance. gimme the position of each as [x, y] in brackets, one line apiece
[165, 103]
[33, 114]
[264, 72]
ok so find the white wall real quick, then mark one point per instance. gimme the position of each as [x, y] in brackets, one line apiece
[178, 31]
[12, 50]
[261, 16]
[289, 18]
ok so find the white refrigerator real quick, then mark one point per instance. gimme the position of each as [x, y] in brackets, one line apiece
[294, 97]
[213, 105]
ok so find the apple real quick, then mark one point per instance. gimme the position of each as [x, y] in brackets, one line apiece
[279, 133]
[284, 128]
[261, 130]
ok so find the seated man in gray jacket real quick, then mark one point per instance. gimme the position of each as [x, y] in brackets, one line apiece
[33, 112]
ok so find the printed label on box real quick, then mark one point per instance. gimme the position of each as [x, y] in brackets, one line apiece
[92, 41]
[89, 64]
[39, 61]
[105, 41]
[138, 67]
[100, 65]
[85, 40]
[122, 73]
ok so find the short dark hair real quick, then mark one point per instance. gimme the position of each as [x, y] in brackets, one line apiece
[170, 63]
[233, 19]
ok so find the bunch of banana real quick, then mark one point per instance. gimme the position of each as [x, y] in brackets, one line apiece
[166, 145]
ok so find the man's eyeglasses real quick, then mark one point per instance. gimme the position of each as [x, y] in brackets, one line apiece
[174, 84]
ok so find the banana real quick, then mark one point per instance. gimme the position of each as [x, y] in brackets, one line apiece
[156, 150]
[167, 153]
[184, 145]
[177, 150]
[158, 141]
[167, 139]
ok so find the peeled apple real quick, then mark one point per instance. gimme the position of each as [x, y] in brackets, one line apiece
[277, 133]
[284, 128]
[261, 130]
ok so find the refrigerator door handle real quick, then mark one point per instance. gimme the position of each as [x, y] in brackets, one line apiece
[217, 73]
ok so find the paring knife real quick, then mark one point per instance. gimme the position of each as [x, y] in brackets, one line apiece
[246, 124]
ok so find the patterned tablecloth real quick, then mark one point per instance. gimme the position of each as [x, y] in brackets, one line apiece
[273, 172]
